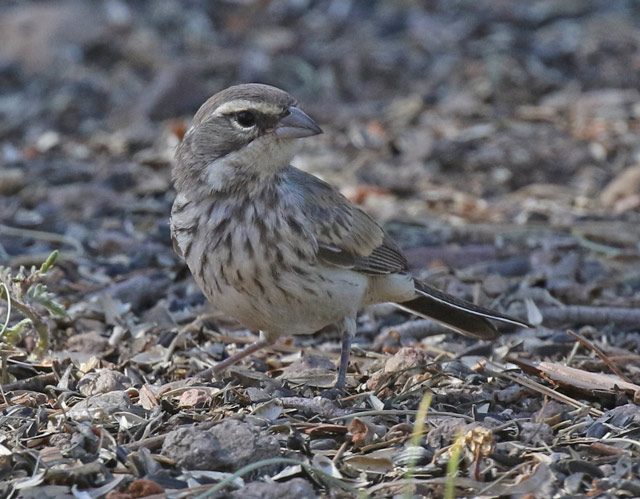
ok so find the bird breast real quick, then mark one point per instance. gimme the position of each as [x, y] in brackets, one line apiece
[255, 260]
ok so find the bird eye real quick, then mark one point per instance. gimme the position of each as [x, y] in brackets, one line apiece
[246, 119]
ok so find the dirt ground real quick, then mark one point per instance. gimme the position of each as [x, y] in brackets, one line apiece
[497, 141]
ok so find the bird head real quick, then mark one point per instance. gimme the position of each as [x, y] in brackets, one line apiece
[243, 133]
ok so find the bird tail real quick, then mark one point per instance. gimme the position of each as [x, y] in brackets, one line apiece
[461, 316]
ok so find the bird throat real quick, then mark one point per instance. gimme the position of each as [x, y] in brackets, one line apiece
[249, 167]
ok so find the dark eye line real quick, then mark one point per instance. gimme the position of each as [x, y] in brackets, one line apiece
[249, 118]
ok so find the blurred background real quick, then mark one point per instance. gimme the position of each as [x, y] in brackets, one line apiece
[438, 116]
[481, 96]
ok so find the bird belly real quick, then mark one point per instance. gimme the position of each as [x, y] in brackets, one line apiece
[294, 304]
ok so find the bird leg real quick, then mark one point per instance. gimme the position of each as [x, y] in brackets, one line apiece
[348, 332]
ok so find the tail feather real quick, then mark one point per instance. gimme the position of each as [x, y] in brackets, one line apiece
[459, 315]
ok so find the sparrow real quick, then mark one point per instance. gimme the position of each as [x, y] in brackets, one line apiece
[279, 249]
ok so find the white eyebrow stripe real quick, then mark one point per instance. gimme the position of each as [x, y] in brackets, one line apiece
[238, 105]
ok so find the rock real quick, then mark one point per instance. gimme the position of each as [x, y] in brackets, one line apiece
[226, 447]
[100, 408]
[103, 381]
[298, 488]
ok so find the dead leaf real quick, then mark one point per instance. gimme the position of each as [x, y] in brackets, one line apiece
[361, 433]
[270, 410]
[147, 399]
[625, 185]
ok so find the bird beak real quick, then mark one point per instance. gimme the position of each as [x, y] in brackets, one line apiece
[296, 125]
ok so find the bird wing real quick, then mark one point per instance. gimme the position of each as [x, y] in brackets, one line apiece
[349, 238]
[346, 236]
[382, 260]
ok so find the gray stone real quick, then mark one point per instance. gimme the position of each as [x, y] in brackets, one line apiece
[103, 381]
[226, 447]
[100, 408]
